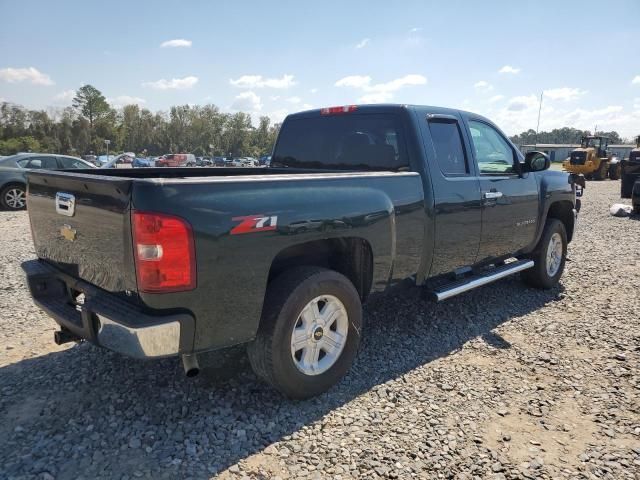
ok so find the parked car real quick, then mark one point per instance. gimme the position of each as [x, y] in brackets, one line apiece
[124, 160]
[177, 160]
[12, 174]
[211, 260]
[221, 162]
[102, 159]
[237, 162]
[140, 162]
[265, 160]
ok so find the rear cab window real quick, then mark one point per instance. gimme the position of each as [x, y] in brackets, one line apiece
[354, 141]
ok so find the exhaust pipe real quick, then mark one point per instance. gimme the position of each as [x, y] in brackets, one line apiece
[190, 364]
[65, 336]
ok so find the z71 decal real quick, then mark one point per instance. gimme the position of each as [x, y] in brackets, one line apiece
[254, 223]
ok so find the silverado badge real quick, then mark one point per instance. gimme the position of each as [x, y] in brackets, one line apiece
[68, 233]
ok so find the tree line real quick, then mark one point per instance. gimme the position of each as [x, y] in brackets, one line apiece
[564, 135]
[83, 127]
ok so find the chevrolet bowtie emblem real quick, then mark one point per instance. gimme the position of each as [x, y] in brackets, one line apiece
[68, 233]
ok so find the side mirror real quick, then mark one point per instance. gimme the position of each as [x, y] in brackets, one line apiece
[536, 162]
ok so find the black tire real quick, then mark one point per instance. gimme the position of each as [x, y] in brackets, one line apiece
[6, 196]
[615, 170]
[538, 276]
[601, 173]
[270, 353]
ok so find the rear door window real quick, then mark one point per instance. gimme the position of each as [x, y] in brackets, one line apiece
[342, 142]
[447, 144]
[43, 163]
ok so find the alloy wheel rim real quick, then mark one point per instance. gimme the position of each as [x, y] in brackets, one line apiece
[15, 198]
[319, 335]
[554, 254]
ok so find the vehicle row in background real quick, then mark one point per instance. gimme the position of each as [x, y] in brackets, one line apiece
[12, 174]
[593, 160]
[630, 183]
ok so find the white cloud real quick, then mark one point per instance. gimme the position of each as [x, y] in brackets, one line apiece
[379, 92]
[415, 30]
[274, 97]
[564, 93]
[520, 103]
[178, 42]
[306, 106]
[122, 100]
[173, 84]
[362, 43]
[65, 96]
[31, 74]
[294, 100]
[636, 80]
[509, 69]
[636, 103]
[483, 86]
[355, 81]
[314, 90]
[247, 102]
[496, 98]
[258, 81]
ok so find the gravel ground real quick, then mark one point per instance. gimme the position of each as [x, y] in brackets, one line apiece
[502, 382]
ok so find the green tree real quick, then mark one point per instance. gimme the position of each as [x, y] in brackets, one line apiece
[91, 104]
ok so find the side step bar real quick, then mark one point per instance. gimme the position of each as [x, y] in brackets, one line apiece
[455, 288]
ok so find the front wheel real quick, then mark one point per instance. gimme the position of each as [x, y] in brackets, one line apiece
[309, 332]
[13, 197]
[549, 257]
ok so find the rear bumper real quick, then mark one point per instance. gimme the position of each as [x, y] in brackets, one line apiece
[106, 319]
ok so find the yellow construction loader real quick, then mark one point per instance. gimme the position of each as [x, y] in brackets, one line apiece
[593, 160]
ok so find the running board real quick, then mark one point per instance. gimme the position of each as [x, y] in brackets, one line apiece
[455, 288]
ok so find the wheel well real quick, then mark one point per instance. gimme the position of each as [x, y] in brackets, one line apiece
[350, 256]
[563, 211]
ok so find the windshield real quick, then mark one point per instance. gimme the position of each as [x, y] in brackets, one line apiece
[592, 142]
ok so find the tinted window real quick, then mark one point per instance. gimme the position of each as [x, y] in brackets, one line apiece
[68, 162]
[493, 153]
[23, 162]
[42, 162]
[447, 143]
[342, 142]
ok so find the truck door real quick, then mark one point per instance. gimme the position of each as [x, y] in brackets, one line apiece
[456, 191]
[509, 200]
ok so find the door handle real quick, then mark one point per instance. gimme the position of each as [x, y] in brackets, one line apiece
[492, 195]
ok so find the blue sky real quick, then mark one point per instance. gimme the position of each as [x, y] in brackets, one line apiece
[273, 58]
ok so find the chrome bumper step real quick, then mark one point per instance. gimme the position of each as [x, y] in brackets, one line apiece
[469, 283]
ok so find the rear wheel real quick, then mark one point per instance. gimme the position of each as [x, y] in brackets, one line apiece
[309, 332]
[601, 173]
[13, 197]
[549, 257]
[615, 170]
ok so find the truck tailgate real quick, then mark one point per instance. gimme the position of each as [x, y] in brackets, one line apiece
[81, 224]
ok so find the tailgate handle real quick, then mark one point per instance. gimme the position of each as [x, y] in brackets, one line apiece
[65, 204]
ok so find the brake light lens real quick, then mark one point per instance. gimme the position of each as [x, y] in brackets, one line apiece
[338, 110]
[164, 253]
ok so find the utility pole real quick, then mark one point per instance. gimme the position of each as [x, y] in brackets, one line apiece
[539, 111]
[107, 142]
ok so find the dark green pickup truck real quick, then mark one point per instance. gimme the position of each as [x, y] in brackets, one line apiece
[160, 262]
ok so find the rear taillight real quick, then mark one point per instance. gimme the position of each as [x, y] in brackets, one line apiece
[338, 110]
[164, 252]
